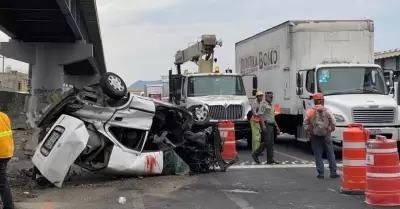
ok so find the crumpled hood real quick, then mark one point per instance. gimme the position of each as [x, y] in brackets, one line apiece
[218, 100]
[360, 100]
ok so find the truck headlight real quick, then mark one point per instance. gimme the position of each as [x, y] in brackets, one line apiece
[339, 118]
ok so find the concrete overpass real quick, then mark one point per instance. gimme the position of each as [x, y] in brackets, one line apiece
[60, 39]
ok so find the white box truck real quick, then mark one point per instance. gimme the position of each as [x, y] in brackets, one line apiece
[154, 91]
[299, 58]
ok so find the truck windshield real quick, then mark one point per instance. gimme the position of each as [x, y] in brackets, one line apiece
[351, 80]
[215, 85]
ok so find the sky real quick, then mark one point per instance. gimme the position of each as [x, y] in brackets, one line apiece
[141, 37]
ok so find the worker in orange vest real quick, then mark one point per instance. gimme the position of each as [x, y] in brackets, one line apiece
[6, 152]
[319, 123]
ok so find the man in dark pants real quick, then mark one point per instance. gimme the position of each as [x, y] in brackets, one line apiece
[6, 152]
[319, 123]
[268, 126]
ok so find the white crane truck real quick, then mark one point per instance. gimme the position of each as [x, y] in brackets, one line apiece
[222, 93]
[299, 58]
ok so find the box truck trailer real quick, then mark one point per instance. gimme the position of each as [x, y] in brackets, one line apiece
[299, 58]
[154, 91]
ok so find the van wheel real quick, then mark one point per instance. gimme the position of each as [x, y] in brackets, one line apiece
[113, 85]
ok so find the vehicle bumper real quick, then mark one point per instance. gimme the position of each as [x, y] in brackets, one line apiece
[388, 132]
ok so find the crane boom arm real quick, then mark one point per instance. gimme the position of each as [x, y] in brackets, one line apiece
[204, 47]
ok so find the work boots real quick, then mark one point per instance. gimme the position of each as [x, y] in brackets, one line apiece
[255, 158]
[269, 161]
[272, 161]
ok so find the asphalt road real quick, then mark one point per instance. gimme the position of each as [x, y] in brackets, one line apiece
[291, 185]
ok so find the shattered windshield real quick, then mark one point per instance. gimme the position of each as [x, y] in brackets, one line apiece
[351, 80]
[215, 85]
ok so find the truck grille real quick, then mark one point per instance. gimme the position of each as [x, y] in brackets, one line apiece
[373, 115]
[231, 112]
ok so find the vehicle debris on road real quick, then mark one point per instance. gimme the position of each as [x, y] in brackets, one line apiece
[104, 129]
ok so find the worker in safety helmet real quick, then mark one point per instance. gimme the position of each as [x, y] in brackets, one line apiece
[268, 127]
[255, 119]
[319, 123]
[6, 152]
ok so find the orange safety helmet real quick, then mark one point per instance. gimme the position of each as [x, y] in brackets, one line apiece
[318, 96]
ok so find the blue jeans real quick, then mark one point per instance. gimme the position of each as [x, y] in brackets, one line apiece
[319, 144]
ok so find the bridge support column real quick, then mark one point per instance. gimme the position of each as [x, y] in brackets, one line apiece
[47, 62]
[47, 65]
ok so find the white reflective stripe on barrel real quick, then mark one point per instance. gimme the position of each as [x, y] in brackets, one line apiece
[391, 150]
[383, 175]
[226, 129]
[223, 133]
[354, 145]
[229, 142]
[354, 162]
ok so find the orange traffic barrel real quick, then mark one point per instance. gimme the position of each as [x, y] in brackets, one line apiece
[354, 157]
[383, 173]
[227, 132]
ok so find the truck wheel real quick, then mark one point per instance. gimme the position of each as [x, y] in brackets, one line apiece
[113, 85]
[201, 114]
[249, 143]
[249, 140]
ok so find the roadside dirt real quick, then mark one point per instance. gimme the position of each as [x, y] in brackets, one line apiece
[83, 186]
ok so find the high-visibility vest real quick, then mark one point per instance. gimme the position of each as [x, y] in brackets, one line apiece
[6, 137]
[256, 118]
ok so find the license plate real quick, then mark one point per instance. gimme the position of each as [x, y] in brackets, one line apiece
[374, 131]
[51, 140]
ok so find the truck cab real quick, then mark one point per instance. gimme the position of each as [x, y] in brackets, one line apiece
[355, 93]
[222, 93]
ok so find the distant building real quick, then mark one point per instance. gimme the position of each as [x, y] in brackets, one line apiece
[389, 59]
[13, 80]
[138, 86]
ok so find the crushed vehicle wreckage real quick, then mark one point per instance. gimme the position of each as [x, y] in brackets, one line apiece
[105, 129]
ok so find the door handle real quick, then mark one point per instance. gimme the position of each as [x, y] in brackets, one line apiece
[118, 118]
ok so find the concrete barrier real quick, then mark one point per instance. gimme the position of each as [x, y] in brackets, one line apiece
[13, 104]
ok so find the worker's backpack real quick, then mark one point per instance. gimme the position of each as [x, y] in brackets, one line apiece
[321, 122]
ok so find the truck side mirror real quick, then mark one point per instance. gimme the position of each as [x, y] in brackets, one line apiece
[299, 91]
[255, 84]
[389, 74]
[396, 92]
[254, 92]
[298, 80]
